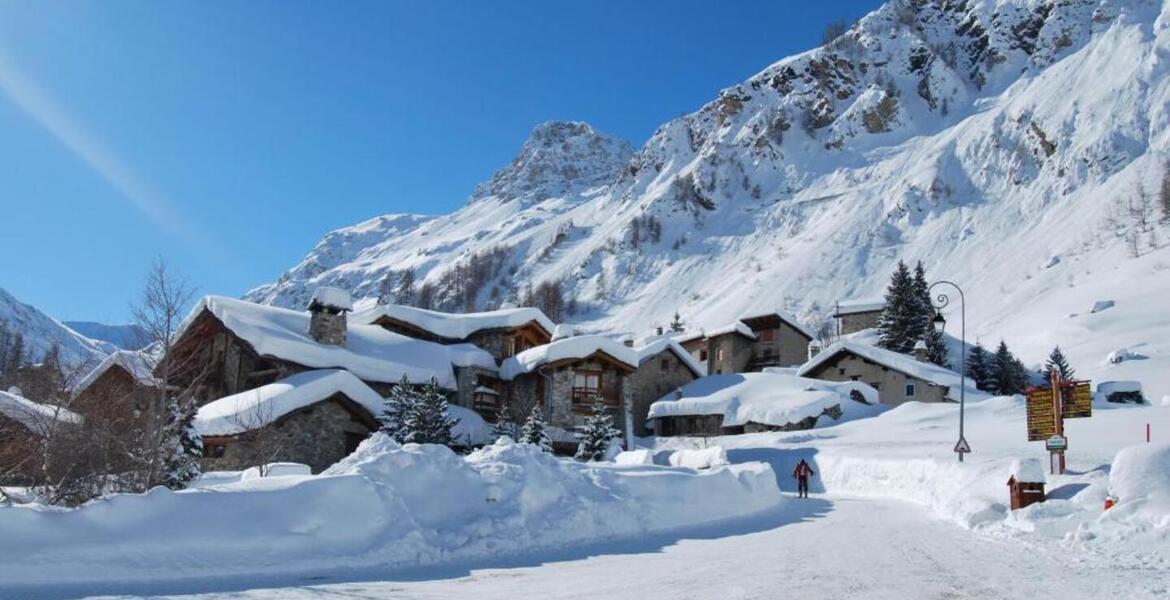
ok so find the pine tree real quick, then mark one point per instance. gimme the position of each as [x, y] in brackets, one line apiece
[1164, 195]
[428, 421]
[404, 292]
[399, 405]
[596, 435]
[1009, 376]
[900, 324]
[676, 324]
[979, 368]
[936, 348]
[925, 309]
[503, 425]
[1057, 362]
[535, 431]
[181, 463]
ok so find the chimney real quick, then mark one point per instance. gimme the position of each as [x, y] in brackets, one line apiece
[659, 330]
[327, 310]
[920, 351]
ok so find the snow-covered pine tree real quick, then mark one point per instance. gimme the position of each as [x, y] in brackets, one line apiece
[936, 348]
[399, 405]
[979, 367]
[504, 426]
[922, 295]
[597, 434]
[900, 324]
[183, 443]
[677, 324]
[404, 292]
[428, 422]
[535, 430]
[1057, 362]
[1164, 195]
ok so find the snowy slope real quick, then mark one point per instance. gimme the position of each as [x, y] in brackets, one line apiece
[41, 331]
[992, 140]
[125, 337]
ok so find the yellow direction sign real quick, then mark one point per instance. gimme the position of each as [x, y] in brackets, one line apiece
[1041, 415]
[1077, 399]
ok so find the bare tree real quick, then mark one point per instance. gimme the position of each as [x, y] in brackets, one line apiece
[260, 442]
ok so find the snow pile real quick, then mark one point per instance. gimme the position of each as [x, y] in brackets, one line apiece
[459, 326]
[707, 458]
[1140, 481]
[1118, 392]
[276, 469]
[767, 398]
[385, 506]
[370, 352]
[331, 297]
[639, 457]
[574, 348]
[1027, 470]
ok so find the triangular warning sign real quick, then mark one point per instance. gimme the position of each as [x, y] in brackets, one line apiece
[962, 447]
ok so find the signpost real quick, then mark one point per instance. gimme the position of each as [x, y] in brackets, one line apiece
[1049, 407]
[962, 447]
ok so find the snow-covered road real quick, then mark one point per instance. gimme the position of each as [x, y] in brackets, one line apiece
[820, 548]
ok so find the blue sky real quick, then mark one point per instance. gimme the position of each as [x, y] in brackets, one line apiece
[228, 137]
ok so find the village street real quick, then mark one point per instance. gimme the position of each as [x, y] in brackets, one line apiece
[819, 548]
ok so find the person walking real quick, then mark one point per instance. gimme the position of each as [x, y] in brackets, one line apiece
[802, 473]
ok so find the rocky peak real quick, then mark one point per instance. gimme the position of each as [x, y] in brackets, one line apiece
[557, 159]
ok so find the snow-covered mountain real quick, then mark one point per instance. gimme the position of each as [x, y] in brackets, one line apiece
[40, 332]
[124, 337]
[1001, 142]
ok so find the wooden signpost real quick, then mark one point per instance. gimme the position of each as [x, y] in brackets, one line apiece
[1049, 407]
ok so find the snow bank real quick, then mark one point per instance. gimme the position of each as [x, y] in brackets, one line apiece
[276, 469]
[706, 458]
[385, 506]
[639, 457]
[1140, 480]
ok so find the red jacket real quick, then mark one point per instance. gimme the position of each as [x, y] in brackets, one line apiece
[803, 471]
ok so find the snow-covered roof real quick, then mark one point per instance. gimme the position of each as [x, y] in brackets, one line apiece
[688, 336]
[137, 364]
[860, 305]
[907, 365]
[578, 347]
[33, 415]
[765, 398]
[736, 327]
[371, 352]
[457, 326]
[656, 347]
[785, 317]
[331, 297]
[245, 411]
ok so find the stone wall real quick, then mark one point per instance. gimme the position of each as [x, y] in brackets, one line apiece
[787, 348]
[890, 384]
[654, 378]
[701, 425]
[852, 323]
[735, 356]
[318, 435]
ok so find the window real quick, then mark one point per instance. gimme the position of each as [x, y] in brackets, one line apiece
[664, 364]
[910, 390]
[768, 335]
[855, 378]
[587, 389]
[875, 385]
[214, 449]
[703, 355]
[841, 371]
[719, 353]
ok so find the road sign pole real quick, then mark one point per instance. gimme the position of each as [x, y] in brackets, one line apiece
[1058, 411]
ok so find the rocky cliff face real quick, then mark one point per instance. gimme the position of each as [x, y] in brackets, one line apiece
[1001, 142]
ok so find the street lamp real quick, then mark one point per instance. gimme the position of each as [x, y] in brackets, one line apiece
[939, 322]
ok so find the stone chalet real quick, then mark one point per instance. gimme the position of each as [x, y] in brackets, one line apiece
[750, 344]
[897, 377]
[858, 314]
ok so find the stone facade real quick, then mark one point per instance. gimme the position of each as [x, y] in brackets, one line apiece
[778, 345]
[854, 322]
[894, 387]
[528, 390]
[729, 353]
[318, 435]
[655, 377]
[697, 425]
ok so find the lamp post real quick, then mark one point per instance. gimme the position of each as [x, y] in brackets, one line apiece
[940, 302]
